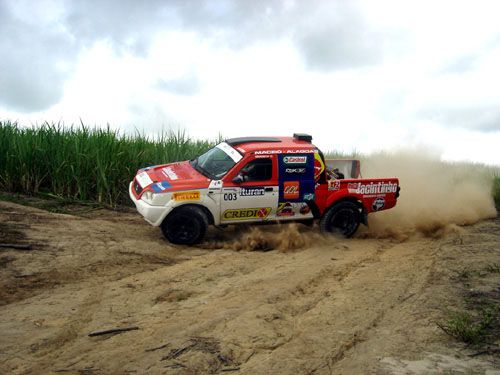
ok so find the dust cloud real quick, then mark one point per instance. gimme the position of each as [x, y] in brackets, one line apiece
[283, 237]
[436, 197]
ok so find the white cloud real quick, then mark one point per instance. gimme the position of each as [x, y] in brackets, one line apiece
[359, 76]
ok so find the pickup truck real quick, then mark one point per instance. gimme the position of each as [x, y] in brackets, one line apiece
[258, 179]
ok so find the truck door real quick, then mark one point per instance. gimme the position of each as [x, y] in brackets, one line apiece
[296, 186]
[253, 194]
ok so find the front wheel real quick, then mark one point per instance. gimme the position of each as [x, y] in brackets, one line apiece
[185, 225]
[343, 218]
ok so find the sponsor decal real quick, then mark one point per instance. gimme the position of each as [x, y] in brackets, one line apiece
[169, 172]
[252, 191]
[307, 151]
[271, 152]
[288, 209]
[378, 204]
[186, 196]
[291, 190]
[333, 185]
[305, 209]
[143, 179]
[160, 186]
[262, 156]
[267, 152]
[309, 197]
[295, 159]
[230, 196]
[319, 166]
[372, 188]
[246, 213]
[285, 209]
[295, 170]
[231, 152]
[215, 184]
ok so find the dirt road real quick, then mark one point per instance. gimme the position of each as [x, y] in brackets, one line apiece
[312, 305]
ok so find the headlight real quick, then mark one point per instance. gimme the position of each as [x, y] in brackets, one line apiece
[155, 199]
[148, 197]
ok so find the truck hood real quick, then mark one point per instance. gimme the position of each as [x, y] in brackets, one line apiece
[171, 177]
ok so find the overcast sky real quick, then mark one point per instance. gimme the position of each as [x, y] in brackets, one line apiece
[357, 75]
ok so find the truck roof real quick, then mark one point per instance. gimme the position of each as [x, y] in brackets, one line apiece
[283, 144]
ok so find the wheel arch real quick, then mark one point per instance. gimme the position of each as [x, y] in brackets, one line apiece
[354, 200]
[205, 210]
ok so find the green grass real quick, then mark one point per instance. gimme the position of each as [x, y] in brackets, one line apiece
[496, 191]
[478, 322]
[471, 328]
[82, 163]
[94, 164]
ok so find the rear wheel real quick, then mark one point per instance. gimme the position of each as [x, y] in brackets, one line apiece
[185, 225]
[342, 218]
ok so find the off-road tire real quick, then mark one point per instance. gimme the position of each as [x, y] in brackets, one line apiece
[186, 225]
[342, 218]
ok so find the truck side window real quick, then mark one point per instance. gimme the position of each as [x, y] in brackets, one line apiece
[258, 170]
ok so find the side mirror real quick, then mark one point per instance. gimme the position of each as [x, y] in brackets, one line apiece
[238, 179]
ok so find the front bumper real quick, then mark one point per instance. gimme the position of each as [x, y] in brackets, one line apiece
[154, 215]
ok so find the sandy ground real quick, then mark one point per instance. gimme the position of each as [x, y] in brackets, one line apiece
[311, 305]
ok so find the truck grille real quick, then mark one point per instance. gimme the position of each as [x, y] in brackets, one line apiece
[137, 188]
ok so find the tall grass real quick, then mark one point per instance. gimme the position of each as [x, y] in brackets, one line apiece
[95, 164]
[496, 191]
[83, 163]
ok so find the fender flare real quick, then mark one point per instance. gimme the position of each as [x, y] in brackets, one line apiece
[206, 204]
[364, 215]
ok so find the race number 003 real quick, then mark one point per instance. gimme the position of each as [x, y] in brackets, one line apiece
[230, 196]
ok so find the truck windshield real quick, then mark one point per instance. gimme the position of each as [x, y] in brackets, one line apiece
[217, 161]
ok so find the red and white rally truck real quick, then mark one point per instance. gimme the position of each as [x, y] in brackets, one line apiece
[258, 179]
